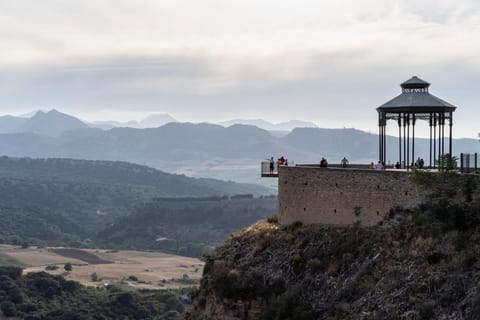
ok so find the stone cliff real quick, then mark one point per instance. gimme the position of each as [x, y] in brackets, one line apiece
[415, 264]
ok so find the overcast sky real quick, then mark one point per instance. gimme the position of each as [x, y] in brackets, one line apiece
[330, 62]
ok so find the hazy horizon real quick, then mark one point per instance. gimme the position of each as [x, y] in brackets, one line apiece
[331, 63]
[392, 129]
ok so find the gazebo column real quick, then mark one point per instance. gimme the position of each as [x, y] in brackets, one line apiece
[404, 140]
[380, 136]
[434, 139]
[413, 138]
[382, 126]
[430, 123]
[400, 138]
[450, 135]
[443, 133]
[385, 139]
[440, 154]
[408, 140]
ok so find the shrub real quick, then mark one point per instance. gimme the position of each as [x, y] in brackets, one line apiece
[273, 219]
[68, 267]
[11, 272]
[316, 265]
[468, 188]
[357, 211]
[51, 268]
[15, 295]
[277, 286]
[132, 278]
[8, 309]
[94, 277]
[425, 310]
[125, 298]
[423, 177]
[434, 257]
[357, 224]
[288, 306]
[294, 226]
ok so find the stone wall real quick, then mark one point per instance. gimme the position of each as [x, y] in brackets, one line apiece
[343, 196]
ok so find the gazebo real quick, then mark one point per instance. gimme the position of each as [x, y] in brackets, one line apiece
[415, 103]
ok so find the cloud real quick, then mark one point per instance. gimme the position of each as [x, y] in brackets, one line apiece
[217, 59]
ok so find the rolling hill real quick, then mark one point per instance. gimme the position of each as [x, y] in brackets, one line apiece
[65, 202]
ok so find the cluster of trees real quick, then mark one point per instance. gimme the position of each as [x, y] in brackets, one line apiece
[187, 226]
[34, 226]
[43, 296]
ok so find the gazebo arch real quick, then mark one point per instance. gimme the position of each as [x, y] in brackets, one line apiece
[416, 103]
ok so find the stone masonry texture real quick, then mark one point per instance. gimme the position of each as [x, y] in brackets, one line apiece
[343, 196]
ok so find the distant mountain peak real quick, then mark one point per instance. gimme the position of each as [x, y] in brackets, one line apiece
[155, 120]
[51, 123]
[266, 125]
[32, 113]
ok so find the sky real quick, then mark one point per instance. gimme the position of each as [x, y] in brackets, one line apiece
[330, 62]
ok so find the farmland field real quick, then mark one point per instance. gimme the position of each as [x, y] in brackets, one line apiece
[134, 269]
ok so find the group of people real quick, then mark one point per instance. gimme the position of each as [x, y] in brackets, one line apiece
[377, 166]
[282, 161]
[419, 163]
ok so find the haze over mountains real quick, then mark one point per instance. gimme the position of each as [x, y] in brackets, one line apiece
[262, 124]
[202, 150]
[151, 121]
[40, 121]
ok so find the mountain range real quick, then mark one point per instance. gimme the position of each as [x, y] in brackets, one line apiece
[51, 123]
[54, 123]
[201, 150]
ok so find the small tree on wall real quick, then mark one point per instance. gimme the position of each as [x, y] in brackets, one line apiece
[447, 162]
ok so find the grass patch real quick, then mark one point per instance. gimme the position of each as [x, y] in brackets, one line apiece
[7, 261]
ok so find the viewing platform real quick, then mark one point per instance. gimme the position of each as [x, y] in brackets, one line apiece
[267, 173]
[467, 163]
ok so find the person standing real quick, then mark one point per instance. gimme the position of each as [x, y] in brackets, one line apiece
[323, 163]
[272, 165]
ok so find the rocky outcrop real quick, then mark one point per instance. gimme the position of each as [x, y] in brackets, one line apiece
[421, 264]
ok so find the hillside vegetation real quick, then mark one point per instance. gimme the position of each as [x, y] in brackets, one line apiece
[124, 174]
[38, 296]
[64, 202]
[419, 264]
[185, 226]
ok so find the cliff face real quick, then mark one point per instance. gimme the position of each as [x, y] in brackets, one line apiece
[418, 264]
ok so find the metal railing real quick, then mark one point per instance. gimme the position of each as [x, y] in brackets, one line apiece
[469, 163]
[266, 171]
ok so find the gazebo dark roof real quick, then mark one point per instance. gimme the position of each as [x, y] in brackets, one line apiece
[415, 98]
[415, 82]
